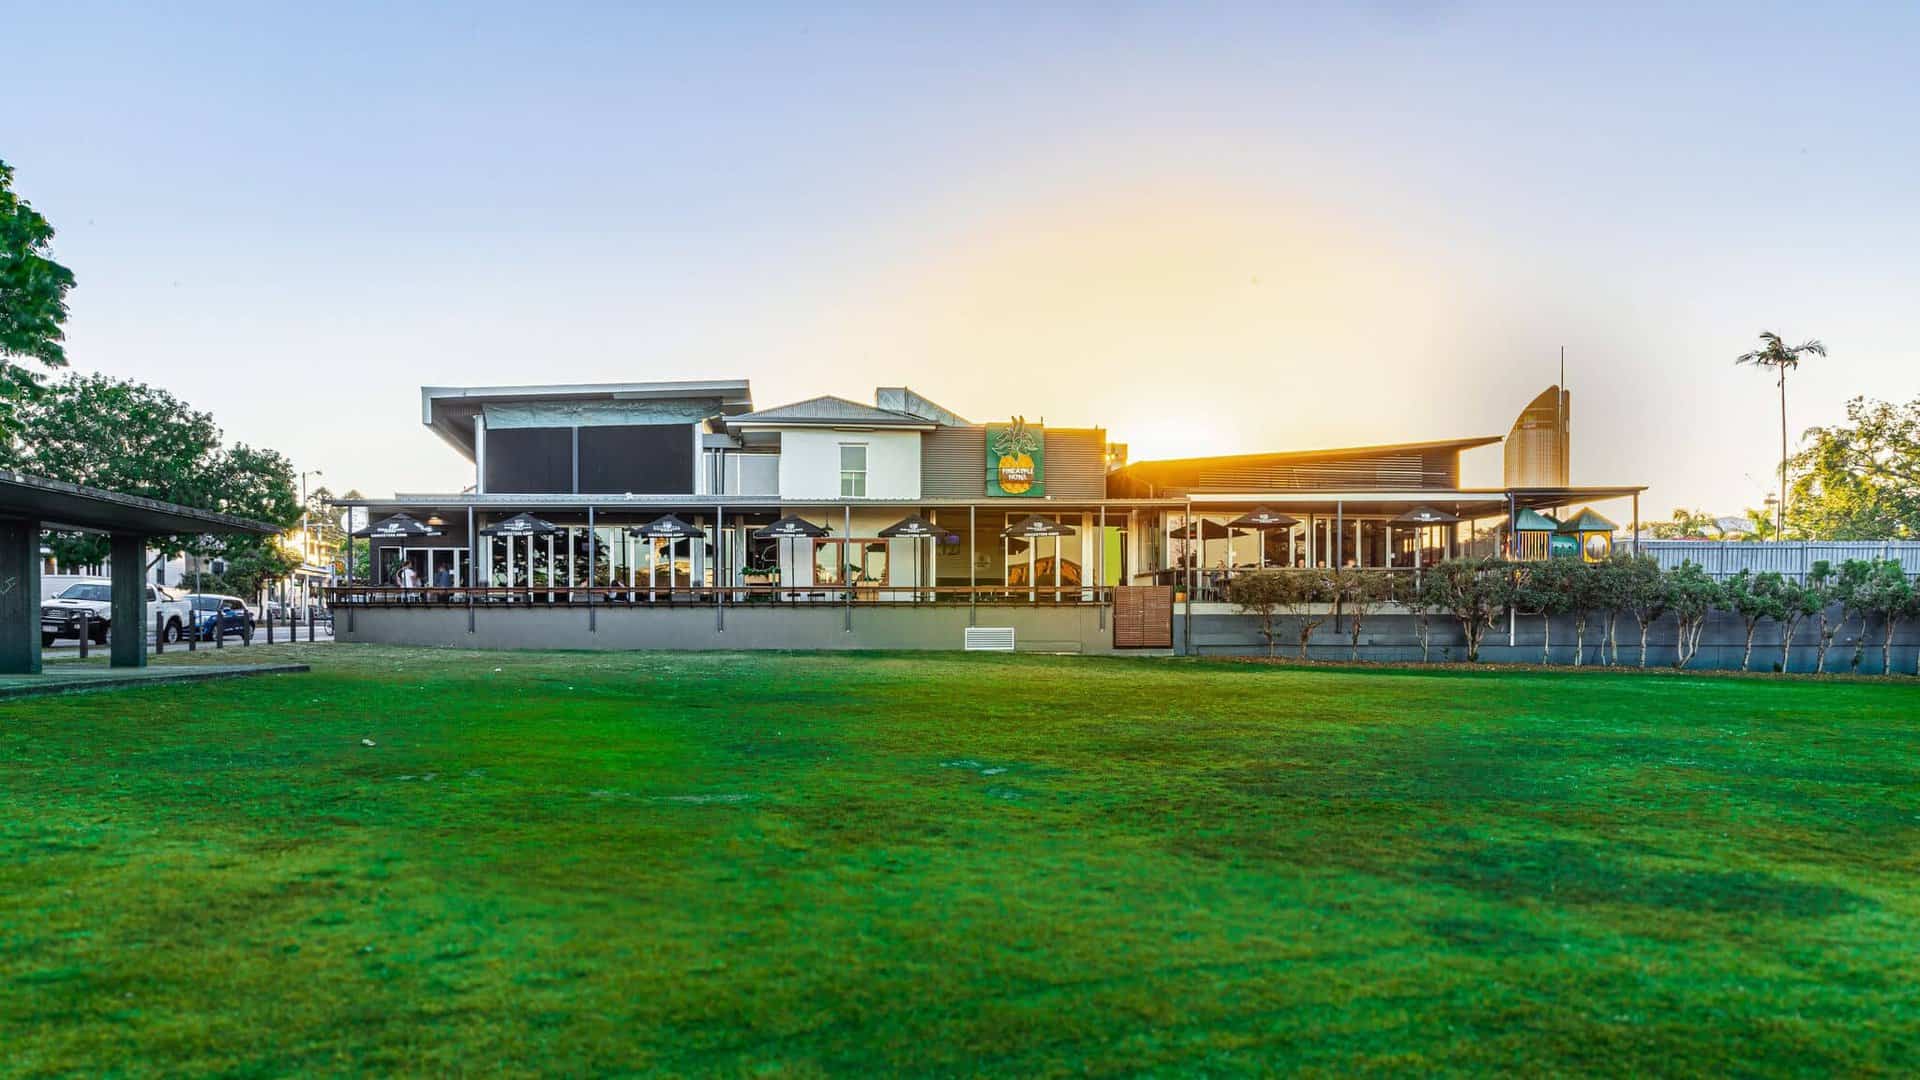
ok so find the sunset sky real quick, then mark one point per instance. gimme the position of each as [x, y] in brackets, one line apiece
[1210, 229]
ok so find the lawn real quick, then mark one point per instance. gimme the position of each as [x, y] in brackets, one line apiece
[808, 864]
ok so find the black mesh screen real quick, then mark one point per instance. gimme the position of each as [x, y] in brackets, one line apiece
[645, 459]
[529, 460]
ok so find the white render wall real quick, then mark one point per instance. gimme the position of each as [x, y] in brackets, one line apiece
[810, 463]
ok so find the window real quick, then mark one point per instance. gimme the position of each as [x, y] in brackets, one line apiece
[87, 592]
[853, 470]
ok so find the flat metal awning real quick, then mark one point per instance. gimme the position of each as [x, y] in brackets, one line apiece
[66, 507]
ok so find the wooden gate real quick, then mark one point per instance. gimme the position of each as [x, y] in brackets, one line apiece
[1143, 617]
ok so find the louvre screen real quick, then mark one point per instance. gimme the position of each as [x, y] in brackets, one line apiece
[530, 460]
[642, 459]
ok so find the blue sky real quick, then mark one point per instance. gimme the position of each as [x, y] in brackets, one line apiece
[1212, 229]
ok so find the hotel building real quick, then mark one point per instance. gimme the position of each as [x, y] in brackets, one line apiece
[678, 515]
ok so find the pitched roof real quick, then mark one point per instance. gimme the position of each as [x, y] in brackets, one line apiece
[1587, 520]
[831, 411]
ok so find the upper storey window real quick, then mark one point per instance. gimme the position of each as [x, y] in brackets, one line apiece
[853, 470]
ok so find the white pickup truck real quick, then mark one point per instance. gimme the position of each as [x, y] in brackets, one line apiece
[60, 616]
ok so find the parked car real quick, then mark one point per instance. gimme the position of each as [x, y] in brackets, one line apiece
[212, 614]
[60, 616]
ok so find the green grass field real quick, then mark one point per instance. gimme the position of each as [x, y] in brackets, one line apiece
[808, 864]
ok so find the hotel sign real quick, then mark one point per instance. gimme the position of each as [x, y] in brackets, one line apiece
[1016, 459]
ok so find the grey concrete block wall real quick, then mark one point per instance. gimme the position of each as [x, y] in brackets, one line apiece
[1395, 639]
[880, 627]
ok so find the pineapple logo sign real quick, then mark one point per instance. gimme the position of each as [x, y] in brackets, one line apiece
[1016, 459]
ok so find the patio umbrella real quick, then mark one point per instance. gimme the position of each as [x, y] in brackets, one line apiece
[521, 525]
[1425, 515]
[399, 525]
[666, 526]
[1035, 525]
[787, 528]
[1209, 530]
[1261, 517]
[913, 526]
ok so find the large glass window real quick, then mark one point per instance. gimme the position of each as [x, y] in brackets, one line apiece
[828, 562]
[853, 470]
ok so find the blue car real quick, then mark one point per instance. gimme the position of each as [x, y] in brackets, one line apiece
[213, 613]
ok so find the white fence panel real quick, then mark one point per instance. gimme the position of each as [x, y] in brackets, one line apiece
[1792, 558]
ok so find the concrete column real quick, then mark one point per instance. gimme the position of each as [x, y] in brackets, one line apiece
[128, 631]
[19, 597]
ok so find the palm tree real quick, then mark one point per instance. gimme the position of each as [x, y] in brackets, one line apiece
[1777, 354]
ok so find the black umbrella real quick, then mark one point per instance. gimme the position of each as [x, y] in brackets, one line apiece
[1208, 531]
[787, 528]
[1425, 515]
[399, 525]
[668, 527]
[521, 525]
[1035, 525]
[913, 526]
[1261, 517]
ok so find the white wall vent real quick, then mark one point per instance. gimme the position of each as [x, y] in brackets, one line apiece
[989, 639]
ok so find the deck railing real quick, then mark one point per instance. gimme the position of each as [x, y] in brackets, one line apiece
[694, 596]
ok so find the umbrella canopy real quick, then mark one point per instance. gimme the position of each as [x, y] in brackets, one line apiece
[399, 525]
[1426, 515]
[668, 527]
[521, 525]
[787, 528]
[914, 526]
[1035, 525]
[1261, 517]
[1209, 530]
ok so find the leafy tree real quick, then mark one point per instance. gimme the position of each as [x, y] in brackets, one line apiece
[1261, 594]
[1645, 595]
[1781, 357]
[1861, 480]
[1545, 589]
[1609, 594]
[1584, 597]
[1823, 589]
[1474, 592]
[1853, 592]
[33, 302]
[1882, 592]
[1691, 595]
[134, 439]
[1359, 592]
[1753, 599]
[1417, 593]
[1793, 603]
[1687, 525]
[1305, 595]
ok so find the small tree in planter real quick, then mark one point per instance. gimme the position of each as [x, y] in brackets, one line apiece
[1607, 592]
[1792, 603]
[1883, 593]
[1474, 592]
[1583, 599]
[1358, 591]
[1855, 595]
[1822, 589]
[1692, 596]
[1753, 599]
[1645, 594]
[1416, 593]
[1260, 594]
[1305, 595]
[1544, 589]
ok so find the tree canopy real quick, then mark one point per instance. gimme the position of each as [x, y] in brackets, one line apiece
[1861, 480]
[135, 439]
[33, 300]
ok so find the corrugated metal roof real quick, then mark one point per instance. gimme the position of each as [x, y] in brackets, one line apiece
[828, 409]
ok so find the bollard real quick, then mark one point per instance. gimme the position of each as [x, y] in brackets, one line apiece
[192, 630]
[159, 632]
[269, 626]
[219, 631]
[309, 626]
[85, 633]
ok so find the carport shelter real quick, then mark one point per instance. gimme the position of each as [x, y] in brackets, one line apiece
[29, 504]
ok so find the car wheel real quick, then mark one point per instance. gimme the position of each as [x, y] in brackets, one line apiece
[172, 633]
[100, 636]
[46, 641]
